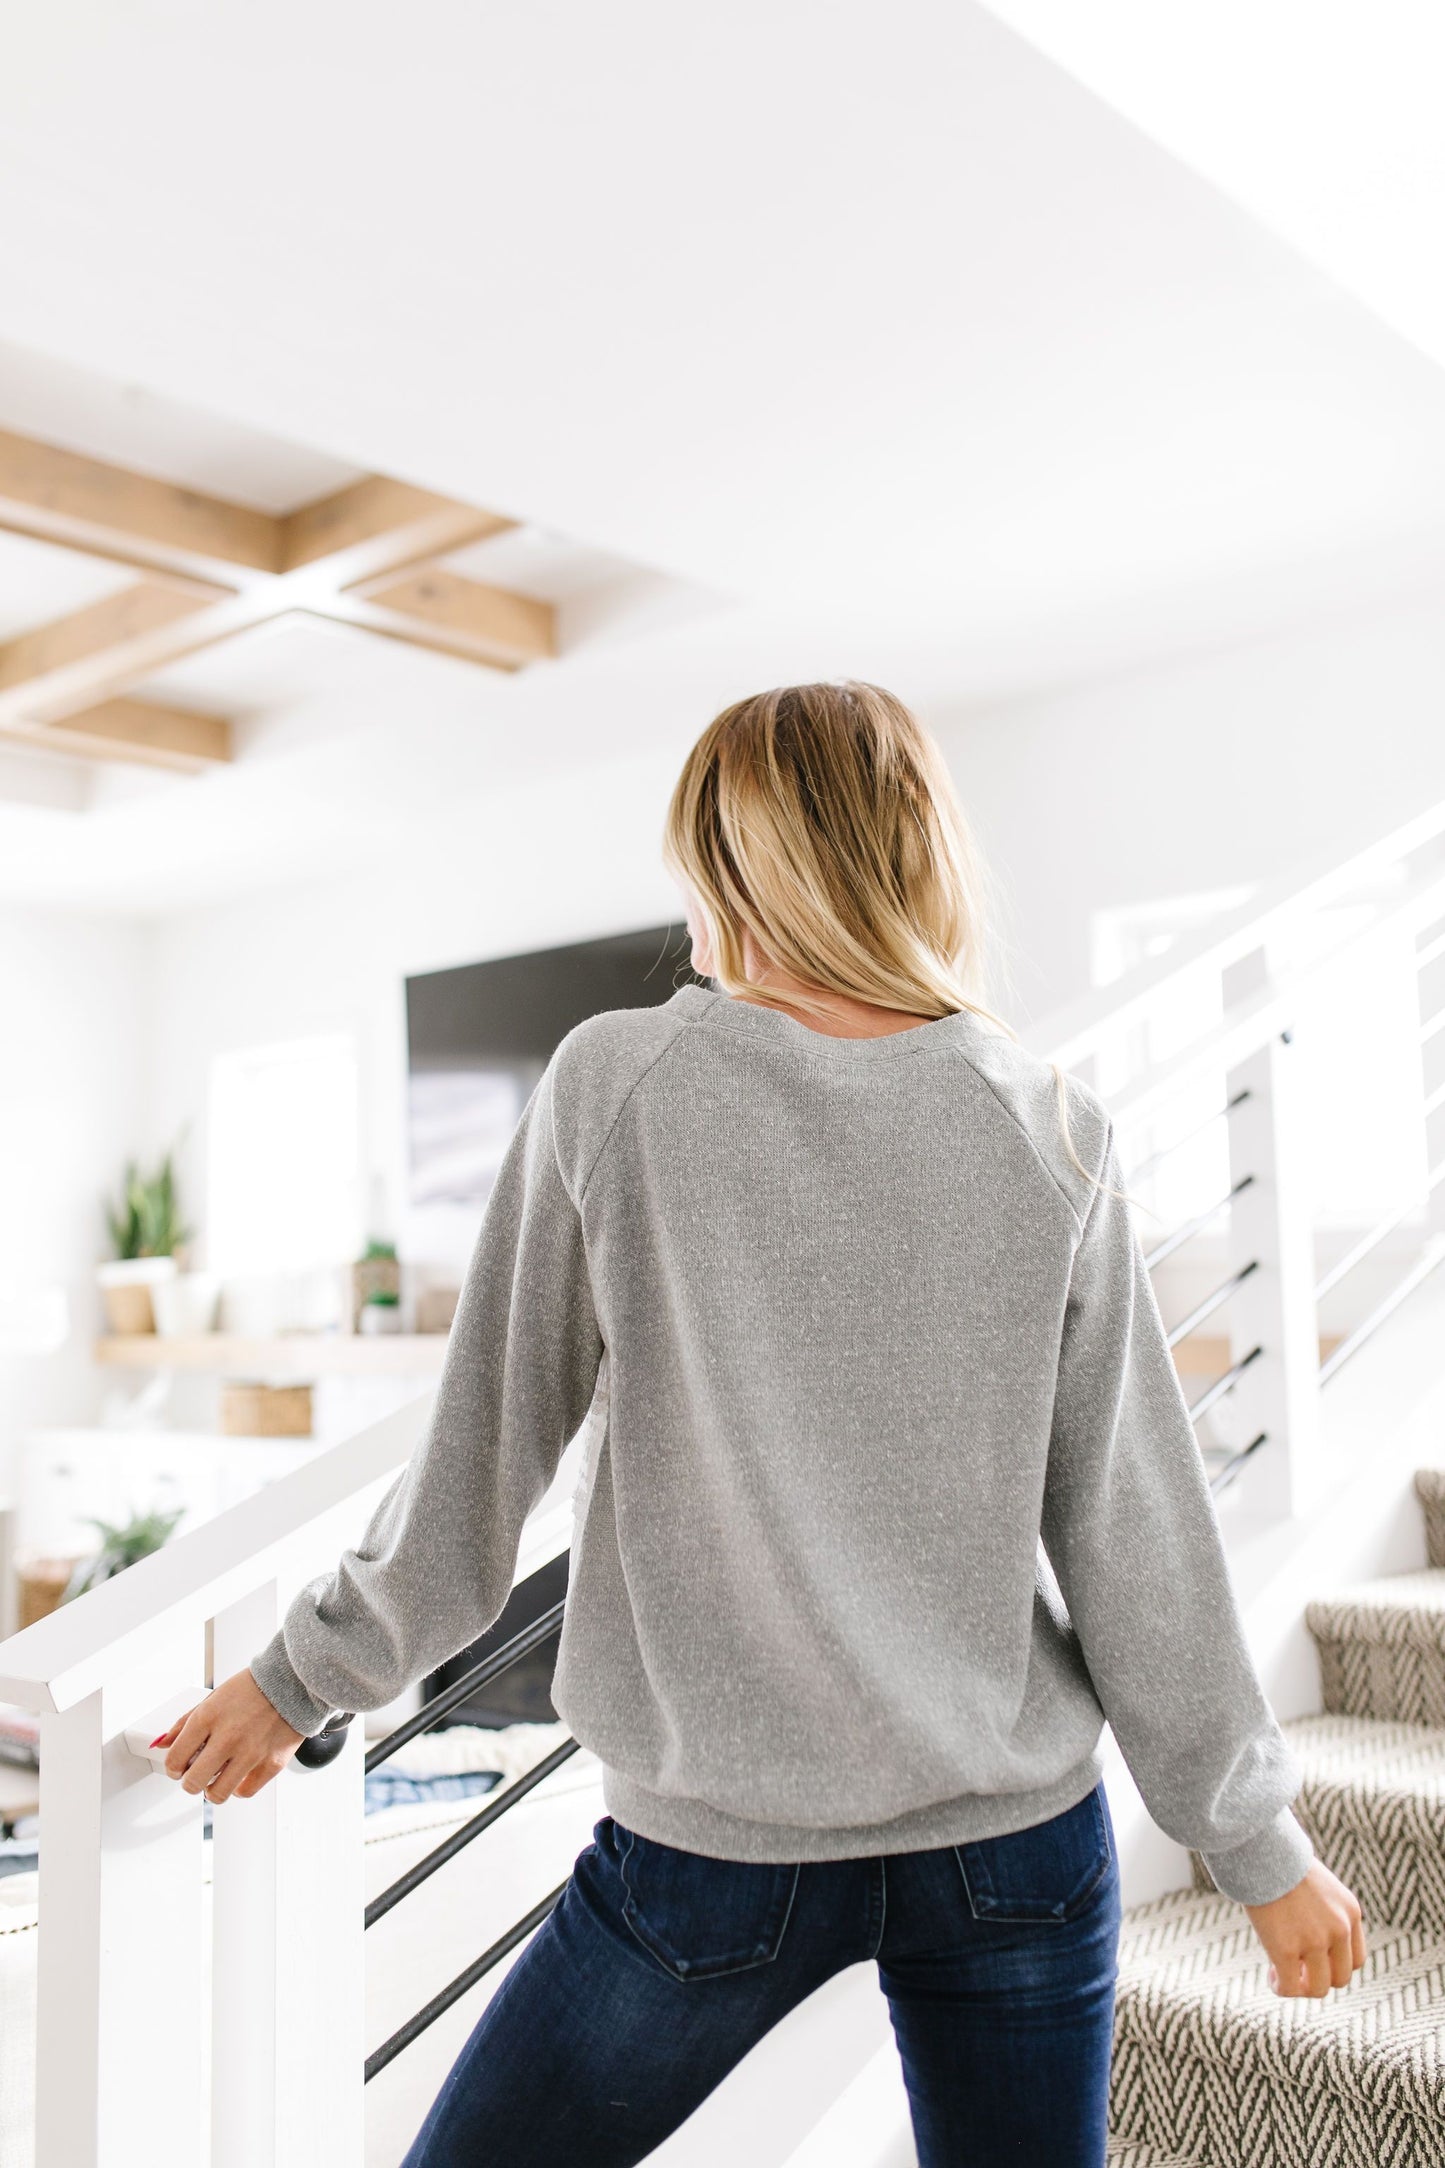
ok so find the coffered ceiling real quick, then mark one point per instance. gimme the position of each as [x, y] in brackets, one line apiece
[791, 338]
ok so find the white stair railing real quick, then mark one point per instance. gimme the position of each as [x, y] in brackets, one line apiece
[1270, 975]
[125, 2002]
[122, 1996]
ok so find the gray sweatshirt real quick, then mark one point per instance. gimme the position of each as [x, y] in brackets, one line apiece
[891, 1496]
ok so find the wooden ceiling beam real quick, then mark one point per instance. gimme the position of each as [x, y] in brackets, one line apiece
[75, 662]
[377, 526]
[435, 608]
[117, 621]
[139, 732]
[362, 556]
[111, 512]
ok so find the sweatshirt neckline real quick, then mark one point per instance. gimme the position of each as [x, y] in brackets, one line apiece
[771, 1026]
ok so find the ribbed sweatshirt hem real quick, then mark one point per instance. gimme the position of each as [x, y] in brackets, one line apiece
[695, 1826]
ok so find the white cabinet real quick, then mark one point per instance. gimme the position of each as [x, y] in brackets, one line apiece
[64, 1476]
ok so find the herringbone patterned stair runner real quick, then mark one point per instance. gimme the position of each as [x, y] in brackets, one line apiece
[1210, 2064]
[1373, 1803]
[1214, 2070]
[1382, 1648]
[1124, 2155]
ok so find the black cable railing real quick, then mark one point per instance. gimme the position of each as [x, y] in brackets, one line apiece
[1222, 1385]
[461, 1985]
[1206, 1121]
[1190, 1228]
[460, 1838]
[1212, 1302]
[314, 1753]
[1228, 1379]
[431, 1713]
[1223, 1477]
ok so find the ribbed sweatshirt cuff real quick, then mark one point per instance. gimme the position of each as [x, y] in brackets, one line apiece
[1265, 1866]
[276, 1676]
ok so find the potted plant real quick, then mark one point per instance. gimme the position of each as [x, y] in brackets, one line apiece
[146, 1231]
[375, 1284]
[121, 1545]
[381, 1312]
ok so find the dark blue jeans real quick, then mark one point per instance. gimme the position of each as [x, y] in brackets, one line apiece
[658, 1969]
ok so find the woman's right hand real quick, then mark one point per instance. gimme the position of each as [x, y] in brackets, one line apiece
[231, 1744]
[1314, 1935]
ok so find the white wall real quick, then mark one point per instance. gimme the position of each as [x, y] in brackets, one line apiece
[1217, 771]
[73, 999]
[541, 862]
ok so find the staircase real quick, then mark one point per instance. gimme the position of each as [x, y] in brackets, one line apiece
[1211, 2068]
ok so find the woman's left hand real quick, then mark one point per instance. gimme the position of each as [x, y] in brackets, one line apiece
[232, 1743]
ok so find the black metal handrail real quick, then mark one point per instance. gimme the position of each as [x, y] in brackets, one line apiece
[495, 1808]
[1205, 1121]
[1222, 1385]
[1224, 1476]
[1211, 1303]
[439, 2004]
[1190, 1228]
[431, 1712]
[521, 1644]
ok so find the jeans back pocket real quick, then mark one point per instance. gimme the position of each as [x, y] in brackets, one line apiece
[1048, 1872]
[700, 1916]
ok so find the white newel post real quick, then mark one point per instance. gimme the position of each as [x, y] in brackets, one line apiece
[121, 1987]
[288, 1990]
[1274, 1308]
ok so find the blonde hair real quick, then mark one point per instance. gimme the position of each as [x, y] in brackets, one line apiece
[823, 820]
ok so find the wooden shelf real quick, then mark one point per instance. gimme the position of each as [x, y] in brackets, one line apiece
[290, 1358]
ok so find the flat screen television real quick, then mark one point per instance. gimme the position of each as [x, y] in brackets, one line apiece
[479, 1037]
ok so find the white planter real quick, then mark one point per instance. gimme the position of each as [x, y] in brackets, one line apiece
[127, 1285]
[186, 1305]
[379, 1318]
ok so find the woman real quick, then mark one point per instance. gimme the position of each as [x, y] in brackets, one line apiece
[892, 1499]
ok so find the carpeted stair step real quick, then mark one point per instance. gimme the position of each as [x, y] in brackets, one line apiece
[1211, 2067]
[1123, 2153]
[1382, 1648]
[1430, 1490]
[1373, 1803]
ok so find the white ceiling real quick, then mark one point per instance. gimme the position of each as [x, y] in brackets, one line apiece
[887, 335]
[127, 424]
[38, 582]
[1324, 122]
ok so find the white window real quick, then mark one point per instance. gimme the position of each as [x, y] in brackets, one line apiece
[283, 1157]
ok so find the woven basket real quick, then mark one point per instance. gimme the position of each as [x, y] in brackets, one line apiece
[40, 1584]
[128, 1309]
[266, 1411]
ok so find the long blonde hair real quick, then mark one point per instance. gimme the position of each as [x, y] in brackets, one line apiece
[823, 820]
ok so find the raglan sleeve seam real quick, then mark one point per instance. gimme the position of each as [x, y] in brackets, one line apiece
[641, 1077]
[1080, 1223]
